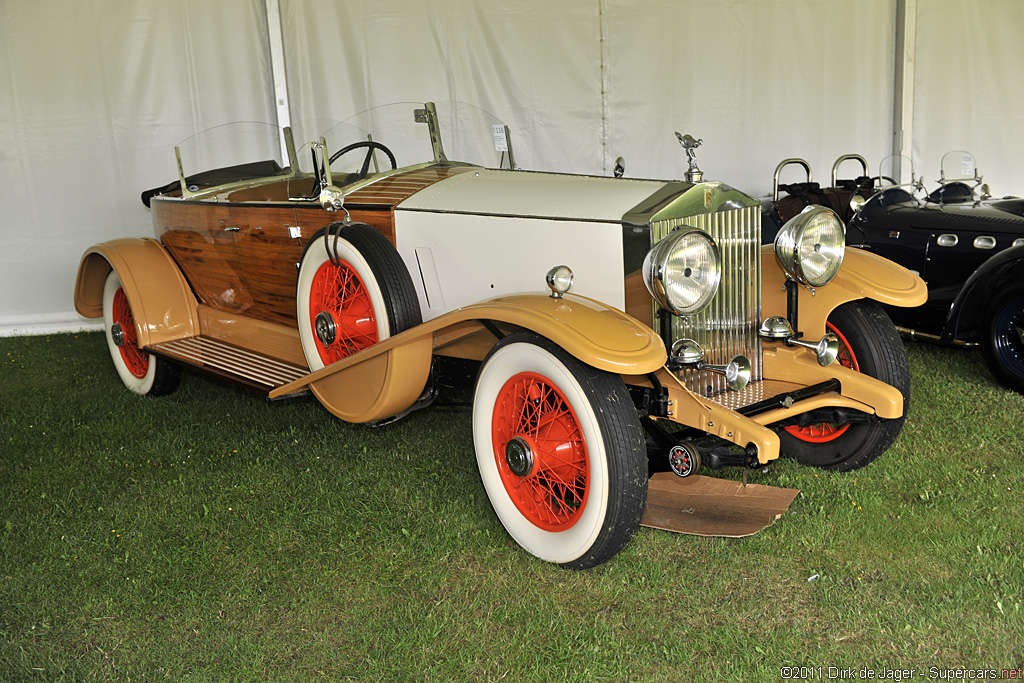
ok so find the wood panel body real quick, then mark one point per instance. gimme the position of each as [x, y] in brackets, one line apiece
[253, 270]
[240, 251]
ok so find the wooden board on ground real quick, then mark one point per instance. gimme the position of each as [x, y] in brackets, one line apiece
[706, 506]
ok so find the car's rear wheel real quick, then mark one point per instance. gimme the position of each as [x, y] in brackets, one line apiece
[560, 452]
[1003, 339]
[353, 291]
[869, 343]
[141, 372]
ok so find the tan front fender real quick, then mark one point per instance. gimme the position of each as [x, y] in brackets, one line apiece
[161, 301]
[863, 276]
[388, 377]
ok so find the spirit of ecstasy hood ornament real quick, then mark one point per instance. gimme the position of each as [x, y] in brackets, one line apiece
[690, 144]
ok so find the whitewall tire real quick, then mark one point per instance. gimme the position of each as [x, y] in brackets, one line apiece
[560, 452]
[353, 291]
[141, 372]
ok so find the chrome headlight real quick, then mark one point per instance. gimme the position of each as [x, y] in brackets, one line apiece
[682, 270]
[810, 246]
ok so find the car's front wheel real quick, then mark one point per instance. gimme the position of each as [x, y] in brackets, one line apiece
[141, 372]
[869, 343]
[1003, 338]
[560, 452]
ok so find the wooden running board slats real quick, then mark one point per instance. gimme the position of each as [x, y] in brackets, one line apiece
[246, 368]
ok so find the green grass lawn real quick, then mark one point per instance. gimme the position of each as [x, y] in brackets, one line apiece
[212, 535]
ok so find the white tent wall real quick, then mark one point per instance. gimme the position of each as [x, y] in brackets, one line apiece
[581, 82]
[757, 82]
[102, 89]
[968, 93]
[535, 64]
[93, 95]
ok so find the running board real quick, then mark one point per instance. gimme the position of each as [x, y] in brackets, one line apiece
[248, 369]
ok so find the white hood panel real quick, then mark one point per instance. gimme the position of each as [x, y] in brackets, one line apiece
[547, 195]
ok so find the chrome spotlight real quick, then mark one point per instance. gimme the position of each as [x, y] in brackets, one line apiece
[687, 352]
[776, 327]
[559, 281]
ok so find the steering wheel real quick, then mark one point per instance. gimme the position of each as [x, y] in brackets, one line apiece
[370, 145]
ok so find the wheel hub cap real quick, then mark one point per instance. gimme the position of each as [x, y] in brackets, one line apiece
[326, 330]
[519, 456]
[117, 334]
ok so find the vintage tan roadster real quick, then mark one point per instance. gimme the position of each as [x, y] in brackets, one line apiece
[683, 344]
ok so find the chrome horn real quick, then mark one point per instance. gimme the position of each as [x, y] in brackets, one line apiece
[689, 352]
[777, 327]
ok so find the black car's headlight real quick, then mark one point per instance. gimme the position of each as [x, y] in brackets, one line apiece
[811, 245]
[682, 270]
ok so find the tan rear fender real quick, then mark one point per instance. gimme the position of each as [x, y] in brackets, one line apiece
[388, 377]
[863, 275]
[161, 301]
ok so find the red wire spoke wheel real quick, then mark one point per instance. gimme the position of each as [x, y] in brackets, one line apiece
[869, 344]
[540, 452]
[823, 432]
[560, 451]
[353, 291]
[340, 312]
[139, 371]
[136, 361]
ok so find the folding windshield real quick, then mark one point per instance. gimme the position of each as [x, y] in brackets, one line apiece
[896, 170]
[465, 135]
[377, 140]
[958, 166]
[230, 153]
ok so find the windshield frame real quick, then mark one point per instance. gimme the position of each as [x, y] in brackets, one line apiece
[327, 135]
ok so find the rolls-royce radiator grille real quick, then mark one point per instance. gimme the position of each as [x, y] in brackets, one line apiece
[728, 326]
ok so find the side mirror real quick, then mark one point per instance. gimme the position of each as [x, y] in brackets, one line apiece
[986, 193]
[856, 201]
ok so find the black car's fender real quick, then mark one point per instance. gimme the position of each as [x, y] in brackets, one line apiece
[965, 312]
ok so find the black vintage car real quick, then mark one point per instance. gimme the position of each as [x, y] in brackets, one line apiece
[968, 247]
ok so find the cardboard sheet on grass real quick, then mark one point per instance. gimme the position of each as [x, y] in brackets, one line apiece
[706, 506]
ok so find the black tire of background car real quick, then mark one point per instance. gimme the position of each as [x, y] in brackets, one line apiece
[600, 398]
[388, 271]
[165, 375]
[880, 353]
[1002, 345]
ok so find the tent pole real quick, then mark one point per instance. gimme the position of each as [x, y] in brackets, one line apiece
[275, 41]
[903, 95]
